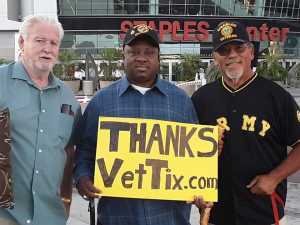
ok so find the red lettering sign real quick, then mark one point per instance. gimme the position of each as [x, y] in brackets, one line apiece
[192, 31]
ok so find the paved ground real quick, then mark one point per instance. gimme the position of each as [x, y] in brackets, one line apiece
[79, 214]
[295, 178]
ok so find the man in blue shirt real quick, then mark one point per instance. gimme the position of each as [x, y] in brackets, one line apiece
[140, 94]
[43, 112]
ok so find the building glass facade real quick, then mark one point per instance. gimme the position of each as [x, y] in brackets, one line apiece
[94, 40]
[274, 8]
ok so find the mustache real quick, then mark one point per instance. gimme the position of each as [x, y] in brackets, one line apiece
[232, 61]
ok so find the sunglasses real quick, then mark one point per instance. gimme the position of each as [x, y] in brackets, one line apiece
[237, 47]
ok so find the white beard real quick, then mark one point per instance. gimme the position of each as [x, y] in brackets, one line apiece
[235, 75]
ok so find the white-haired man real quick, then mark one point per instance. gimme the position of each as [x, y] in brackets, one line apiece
[43, 113]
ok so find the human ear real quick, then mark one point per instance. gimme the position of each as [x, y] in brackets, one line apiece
[21, 42]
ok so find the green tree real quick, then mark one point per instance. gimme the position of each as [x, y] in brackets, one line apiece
[65, 68]
[110, 57]
[212, 73]
[4, 61]
[190, 65]
[270, 66]
[177, 71]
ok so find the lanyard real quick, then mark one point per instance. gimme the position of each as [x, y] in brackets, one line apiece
[275, 198]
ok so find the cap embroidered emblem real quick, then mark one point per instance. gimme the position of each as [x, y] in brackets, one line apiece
[227, 31]
[141, 29]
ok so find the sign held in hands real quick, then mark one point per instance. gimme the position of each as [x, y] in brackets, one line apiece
[155, 159]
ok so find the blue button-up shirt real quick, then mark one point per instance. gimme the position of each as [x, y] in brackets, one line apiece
[163, 101]
[40, 132]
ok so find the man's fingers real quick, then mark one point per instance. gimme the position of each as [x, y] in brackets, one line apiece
[87, 189]
[92, 188]
[195, 198]
[221, 132]
[253, 182]
[209, 204]
[94, 192]
[220, 140]
[200, 203]
[91, 191]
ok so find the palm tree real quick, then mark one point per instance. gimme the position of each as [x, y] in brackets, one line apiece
[270, 66]
[66, 58]
[190, 65]
[110, 56]
[212, 73]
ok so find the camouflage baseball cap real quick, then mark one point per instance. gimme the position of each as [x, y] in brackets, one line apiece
[141, 31]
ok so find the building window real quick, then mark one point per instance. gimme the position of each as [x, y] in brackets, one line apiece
[136, 6]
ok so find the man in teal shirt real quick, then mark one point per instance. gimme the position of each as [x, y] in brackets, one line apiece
[43, 113]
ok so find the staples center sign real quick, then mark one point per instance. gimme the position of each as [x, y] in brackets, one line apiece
[193, 31]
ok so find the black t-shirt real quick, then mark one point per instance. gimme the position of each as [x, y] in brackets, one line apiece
[261, 120]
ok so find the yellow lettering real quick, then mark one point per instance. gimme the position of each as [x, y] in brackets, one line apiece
[248, 123]
[265, 126]
[222, 121]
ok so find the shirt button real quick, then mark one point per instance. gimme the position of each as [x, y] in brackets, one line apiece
[40, 150]
[33, 192]
[36, 171]
[41, 92]
[234, 110]
[28, 221]
[43, 110]
[41, 130]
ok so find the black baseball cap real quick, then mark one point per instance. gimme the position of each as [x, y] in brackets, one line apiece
[227, 32]
[141, 31]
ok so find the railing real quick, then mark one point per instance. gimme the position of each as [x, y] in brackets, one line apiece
[278, 8]
[176, 49]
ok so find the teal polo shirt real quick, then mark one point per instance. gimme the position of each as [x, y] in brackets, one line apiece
[41, 128]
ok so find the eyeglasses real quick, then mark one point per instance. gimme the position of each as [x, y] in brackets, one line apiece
[238, 48]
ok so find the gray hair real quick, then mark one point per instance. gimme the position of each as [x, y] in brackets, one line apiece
[30, 20]
[250, 44]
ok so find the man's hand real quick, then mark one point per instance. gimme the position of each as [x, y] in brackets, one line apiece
[86, 188]
[263, 185]
[204, 209]
[220, 140]
[200, 203]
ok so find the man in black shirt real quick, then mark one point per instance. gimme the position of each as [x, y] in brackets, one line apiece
[260, 120]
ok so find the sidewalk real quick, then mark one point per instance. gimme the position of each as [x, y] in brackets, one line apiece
[79, 210]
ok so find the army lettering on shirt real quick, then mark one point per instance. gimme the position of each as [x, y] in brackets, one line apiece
[249, 123]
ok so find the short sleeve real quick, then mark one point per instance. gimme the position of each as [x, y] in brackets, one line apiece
[291, 123]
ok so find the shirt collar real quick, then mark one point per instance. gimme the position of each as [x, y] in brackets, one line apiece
[159, 85]
[243, 86]
[19, 72]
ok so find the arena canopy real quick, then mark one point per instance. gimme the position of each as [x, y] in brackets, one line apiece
[183, 28]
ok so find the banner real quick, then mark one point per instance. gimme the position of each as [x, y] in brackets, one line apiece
[155, 159]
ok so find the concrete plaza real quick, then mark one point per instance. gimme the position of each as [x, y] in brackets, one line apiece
[80, 216]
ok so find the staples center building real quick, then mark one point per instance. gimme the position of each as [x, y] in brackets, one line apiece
[184, 26]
